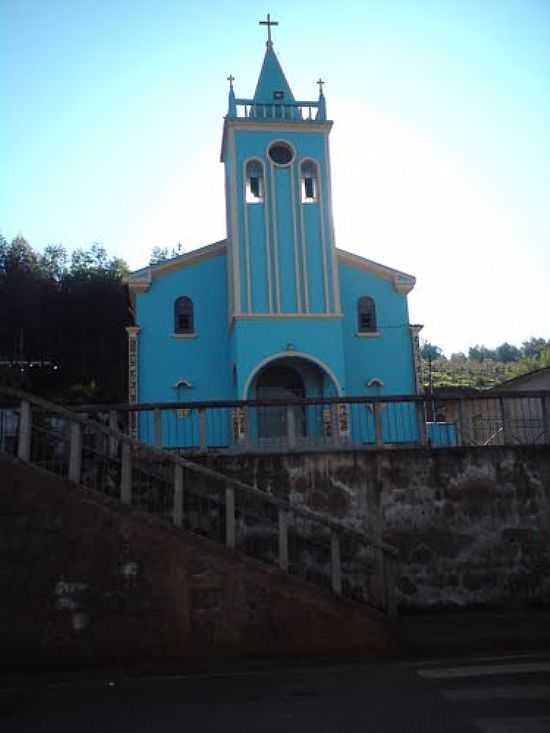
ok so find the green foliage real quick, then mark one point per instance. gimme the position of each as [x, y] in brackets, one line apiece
[484, 368]
[160, 254]
[430, 351]
[63, 320]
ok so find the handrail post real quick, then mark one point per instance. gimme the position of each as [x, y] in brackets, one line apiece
[378, 427]
[178, 496]
[126, 474]
[335, 563]
[545, 408]
[420, 406]
[113, 442]
[202, 430]
[158, 428]
[389, 583]
[283, 540]
[505, 417]
[230, 535]
[463, 434]
[25, 431]
[75, 453]
[291, 426]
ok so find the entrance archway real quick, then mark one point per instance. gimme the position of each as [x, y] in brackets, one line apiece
[279, 381]
[287, 378]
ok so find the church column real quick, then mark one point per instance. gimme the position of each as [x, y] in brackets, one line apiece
[133, 383]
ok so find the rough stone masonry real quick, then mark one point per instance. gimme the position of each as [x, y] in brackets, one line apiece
[472, 525]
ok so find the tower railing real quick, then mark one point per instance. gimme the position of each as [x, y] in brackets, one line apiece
[298, 111]
[193, 497]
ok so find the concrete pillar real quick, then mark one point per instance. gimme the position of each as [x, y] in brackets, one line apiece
[202, 431]
[25, 431]
[178, 496]
[388, 565]
[75, 453]
[335, 563]
[291, 426]
[158, 428]
[283, 540]
[126, 474]
[113, 442]
[545, 407]
[230, 533]
[421, 422]
[505, 416]
[378, 427]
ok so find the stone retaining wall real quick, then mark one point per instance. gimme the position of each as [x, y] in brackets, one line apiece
[472, 525]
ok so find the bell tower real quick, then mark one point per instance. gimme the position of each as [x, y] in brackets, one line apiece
[281, 258]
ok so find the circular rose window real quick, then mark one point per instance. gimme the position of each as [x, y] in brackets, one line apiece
[281, 153]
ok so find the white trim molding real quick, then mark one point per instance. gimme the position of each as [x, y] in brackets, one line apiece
[133, 376]
[414, 330]
[282, 316]
[401, 281]
[292, 355]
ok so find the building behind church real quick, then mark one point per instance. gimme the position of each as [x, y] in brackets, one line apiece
[275, 310]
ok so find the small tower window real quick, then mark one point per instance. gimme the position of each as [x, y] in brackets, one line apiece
[366, 315]
[281, 153]
[254, 182]
[310, 184]
[184, 321]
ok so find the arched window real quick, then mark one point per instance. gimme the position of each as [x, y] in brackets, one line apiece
[254, 182]
[366, 315]
[184, 321]
[309, 182]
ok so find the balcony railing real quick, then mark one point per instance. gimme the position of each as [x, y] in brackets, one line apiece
[291, 111]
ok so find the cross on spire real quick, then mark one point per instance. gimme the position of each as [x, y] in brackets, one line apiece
[320, 82]
[231, 79]
[268, 23]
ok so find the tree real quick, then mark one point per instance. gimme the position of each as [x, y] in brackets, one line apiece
[430, 351]
[53, 262]
[534, 347]
[480, 353]
[160, 254]
[507, 353]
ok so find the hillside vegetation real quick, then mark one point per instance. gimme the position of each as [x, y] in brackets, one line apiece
[482, 368]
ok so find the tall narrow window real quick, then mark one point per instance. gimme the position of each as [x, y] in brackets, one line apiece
[254, 182]
[184, 321]
[366, 315]
[310, 184]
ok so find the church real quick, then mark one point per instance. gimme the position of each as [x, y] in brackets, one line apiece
[275, 310]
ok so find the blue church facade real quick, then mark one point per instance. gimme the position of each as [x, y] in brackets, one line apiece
[275, 310]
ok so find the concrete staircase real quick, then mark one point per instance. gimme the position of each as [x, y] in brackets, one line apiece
[116, 549]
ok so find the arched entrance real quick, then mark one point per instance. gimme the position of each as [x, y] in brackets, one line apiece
[279, 381]
[287, 378]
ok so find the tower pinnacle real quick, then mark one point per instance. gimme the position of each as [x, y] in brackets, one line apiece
[268, 23]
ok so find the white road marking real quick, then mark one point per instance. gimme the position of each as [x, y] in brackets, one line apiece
[447, 673]
[513, 725]
[510, 692]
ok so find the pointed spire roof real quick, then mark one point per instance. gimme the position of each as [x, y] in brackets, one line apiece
[272, 79]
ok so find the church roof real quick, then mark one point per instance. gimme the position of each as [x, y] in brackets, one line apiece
[272, 79]
[402, 281]
[140, 280]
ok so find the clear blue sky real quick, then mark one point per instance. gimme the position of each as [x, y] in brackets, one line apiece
[112, 117]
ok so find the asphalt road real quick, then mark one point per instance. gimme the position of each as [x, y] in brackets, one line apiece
[505, 694]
